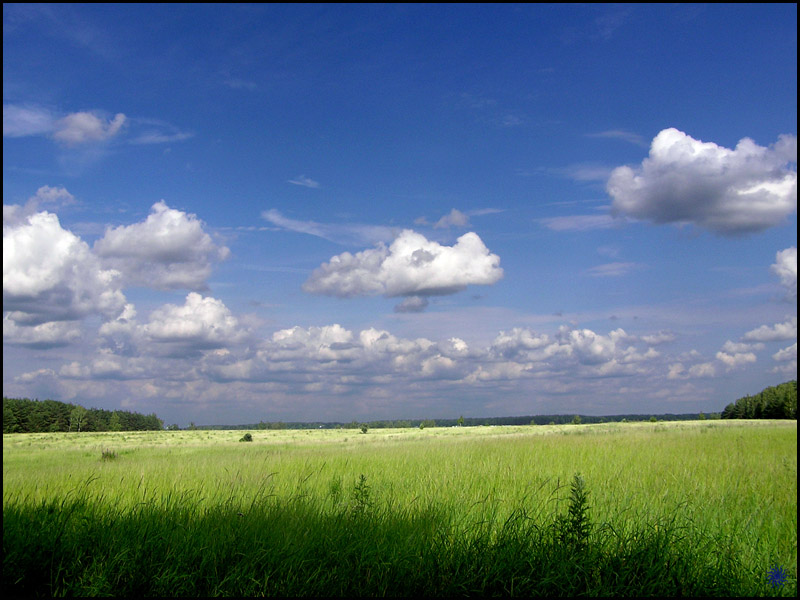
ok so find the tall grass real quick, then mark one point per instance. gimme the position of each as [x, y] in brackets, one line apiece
[656, 510]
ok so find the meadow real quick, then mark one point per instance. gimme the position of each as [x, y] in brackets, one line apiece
[628, 509]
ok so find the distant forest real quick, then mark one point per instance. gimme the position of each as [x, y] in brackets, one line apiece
[37, 416]
[778, 402]
[21, 415]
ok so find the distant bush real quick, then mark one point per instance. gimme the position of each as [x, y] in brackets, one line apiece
[108, 455]
[246, 438]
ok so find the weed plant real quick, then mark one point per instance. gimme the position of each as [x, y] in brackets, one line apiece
[678, 511]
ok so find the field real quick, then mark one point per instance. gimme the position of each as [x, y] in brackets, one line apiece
[671, 508]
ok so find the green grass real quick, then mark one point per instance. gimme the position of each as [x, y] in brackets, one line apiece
[700, 508]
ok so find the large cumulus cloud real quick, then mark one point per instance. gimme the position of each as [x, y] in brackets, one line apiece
[412, 266]
[51, 275]
[684, 180]
[169, 250]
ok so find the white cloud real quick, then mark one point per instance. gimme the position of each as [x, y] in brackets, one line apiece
[684, 180]
[84, 127]
[168, 250]
[411, 266]
[775, 333]
[14, 214]
[788, 353]
[785, 267]
[45, 335]
[49, 274]
[662, 337]
[24, 121]
[787, 356]
[200, 323]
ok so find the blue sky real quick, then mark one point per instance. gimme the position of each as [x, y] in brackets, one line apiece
[226, 214]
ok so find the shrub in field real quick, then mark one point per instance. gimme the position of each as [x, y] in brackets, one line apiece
[108, 455]
[246, 438]
[360, 496]
[575, 527]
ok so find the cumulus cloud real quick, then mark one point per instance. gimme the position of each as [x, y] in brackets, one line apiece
[773, 333]
[785, 267]
[412, 304]
[85, 127]
[411, 266]
[45, 335]
[744, 190]
[788, 359]
[574, 351]
[53, 197]
[169, 250]
[49, 274]
[200, 323]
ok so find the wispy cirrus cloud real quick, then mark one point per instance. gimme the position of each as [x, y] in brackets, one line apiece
[27, 120]
[338, 233]
[614, 269]
[579, 222]
[620, 134]
[304, 181]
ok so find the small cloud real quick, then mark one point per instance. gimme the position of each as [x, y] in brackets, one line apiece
[84, 127]
[579, 222]
[619, 134]
[614, 269]
[412, 304]
[785, 267]
[455, 218]
[240, 84]
[155, 131]
[304, 181]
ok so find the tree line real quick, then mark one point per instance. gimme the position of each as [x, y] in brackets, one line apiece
[776, 402]
[22, 415]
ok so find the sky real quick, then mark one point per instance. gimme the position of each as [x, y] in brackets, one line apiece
[232, 213]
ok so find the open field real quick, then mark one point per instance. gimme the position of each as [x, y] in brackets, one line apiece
[703, 507]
